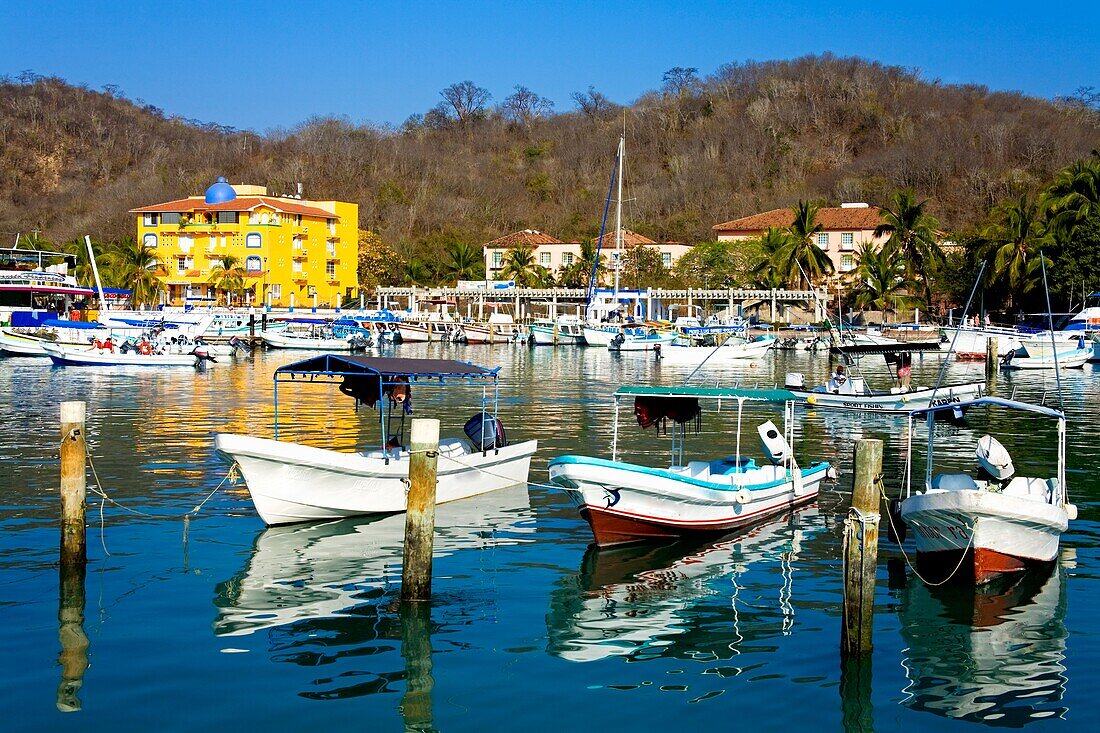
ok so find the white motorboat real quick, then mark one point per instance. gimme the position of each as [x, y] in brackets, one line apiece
[564, 331]
[289, 340]
[971, 343]
[627, 337]
[430, 331]
[501, 328]
[290, 482]
[988, 522]
[850, 392]
[93, 356]
[1071, 356]
[29, 341]
[626, 502]
[732, 349]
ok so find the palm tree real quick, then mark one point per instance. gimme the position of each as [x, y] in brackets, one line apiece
[133, 265]
[83, 272]
[765, 273]
[520, 265]
[1019, 230]
[464, 262]
[912, 233]
[800, 250]
[1074, 196]
[881, 278]
[228, 276]
[417, 272]
[578, 274]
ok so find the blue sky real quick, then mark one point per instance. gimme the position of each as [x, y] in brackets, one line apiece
[265, 65]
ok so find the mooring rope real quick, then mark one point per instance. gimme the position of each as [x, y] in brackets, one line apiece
[98, 489]
[904, 554]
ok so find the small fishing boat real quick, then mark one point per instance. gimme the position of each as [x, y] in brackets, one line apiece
[290, 482]
[627, 337]
[499, 329]
[984, 523]
[1068, 356]
[850, 392]
[732, 349]
[288, 340]
[564, 331]
[430, 331]
[627, 502]
[102, 355]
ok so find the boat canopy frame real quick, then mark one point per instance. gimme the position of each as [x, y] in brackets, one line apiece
[929, 414]
[788, 399]
[391, 372]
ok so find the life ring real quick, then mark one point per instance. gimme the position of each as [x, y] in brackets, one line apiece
[145, 348]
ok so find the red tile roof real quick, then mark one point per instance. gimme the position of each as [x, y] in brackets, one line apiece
[630, 239]
[830, 219]
[524, 238]
[242, 203]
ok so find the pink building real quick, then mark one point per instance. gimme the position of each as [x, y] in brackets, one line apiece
[843, 229]
[556, 255]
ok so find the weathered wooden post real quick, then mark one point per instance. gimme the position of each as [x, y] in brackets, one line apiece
[263, 321]
[251, 327]
[73, 484]
[416, 648]
[861, 551]
[416, 570]
[73, 556]
[991, 356]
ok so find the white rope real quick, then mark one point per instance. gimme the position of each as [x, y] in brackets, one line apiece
[904, 554]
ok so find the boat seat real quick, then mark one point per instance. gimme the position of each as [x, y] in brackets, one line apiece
[1034, 488]
[452, 447]
[954, 482]
[729, 466]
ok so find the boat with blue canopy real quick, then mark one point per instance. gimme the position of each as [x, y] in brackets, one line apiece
[290, 482]
[627, 502]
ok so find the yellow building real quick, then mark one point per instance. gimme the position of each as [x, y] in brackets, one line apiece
[291, 249]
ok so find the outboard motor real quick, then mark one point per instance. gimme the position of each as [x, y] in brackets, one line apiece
[617, 341]
[776, 447]
[993, 459]
[794, 380]
[485, 431]
[204, 356]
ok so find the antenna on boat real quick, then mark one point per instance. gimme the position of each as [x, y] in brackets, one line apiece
[1050, 322]
[966, 312]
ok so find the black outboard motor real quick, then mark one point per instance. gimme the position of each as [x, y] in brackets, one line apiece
[485, 431]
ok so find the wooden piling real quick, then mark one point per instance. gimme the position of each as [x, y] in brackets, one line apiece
[263, 321]
[991, 356]
[251, 327]
[861, 551]
[73, 484]
[416, 570]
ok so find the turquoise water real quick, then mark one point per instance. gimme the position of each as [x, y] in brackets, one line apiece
[221, 622]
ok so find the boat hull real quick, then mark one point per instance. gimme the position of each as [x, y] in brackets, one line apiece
[544, 336]
[62, 356]
[626, 503]
[899, 403]
[676, 354]
[292, 483]
[984, 534]
[286, 341]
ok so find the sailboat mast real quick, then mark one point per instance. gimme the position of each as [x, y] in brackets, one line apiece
[619, 220]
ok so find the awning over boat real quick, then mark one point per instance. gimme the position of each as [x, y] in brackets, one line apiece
[344, 365]
[58, 323]
[715, 393]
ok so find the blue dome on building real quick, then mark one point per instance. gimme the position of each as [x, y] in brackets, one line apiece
[220, 192]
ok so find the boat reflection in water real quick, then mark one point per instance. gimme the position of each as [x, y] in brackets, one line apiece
[993, 655]
[325, 594]
[648, 601]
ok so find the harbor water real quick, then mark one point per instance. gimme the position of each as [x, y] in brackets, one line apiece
[217, 622]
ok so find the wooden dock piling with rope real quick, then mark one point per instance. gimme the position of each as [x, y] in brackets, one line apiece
[861, 551]
[416, 569]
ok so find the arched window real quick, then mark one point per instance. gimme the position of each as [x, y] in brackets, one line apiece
[253, 264]
[149, 240]
[253, 240]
